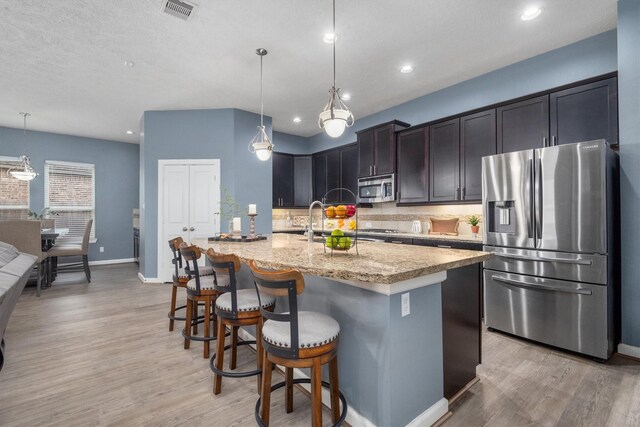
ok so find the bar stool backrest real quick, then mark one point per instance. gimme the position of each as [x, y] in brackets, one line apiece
[191, 255]
[282, 283]
[174, 245]
[225, 266]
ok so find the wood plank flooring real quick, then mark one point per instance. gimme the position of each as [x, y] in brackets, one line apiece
[101, 354]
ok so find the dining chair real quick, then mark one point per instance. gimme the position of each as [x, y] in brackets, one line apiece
[74, 250]
[26, 236]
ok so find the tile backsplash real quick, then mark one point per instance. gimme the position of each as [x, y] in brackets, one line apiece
[387, 215]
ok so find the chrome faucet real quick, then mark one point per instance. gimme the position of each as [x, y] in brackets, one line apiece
[310, 224]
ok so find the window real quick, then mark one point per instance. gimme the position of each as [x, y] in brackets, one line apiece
[69, 190]
[14, 194]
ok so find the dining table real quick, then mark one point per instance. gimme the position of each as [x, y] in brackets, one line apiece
[49, 236]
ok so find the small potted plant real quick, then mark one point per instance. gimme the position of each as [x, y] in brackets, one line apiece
[474, 220]
[44, 217]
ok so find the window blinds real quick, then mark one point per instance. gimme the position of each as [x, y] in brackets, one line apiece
[70, 191]
[14, 194]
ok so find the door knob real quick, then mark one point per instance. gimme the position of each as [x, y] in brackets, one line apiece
[191, 229]
[184, 228]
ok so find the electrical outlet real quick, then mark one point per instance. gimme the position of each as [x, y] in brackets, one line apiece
[406, 305]
[101, 248]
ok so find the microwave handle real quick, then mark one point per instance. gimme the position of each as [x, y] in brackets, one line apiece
[382, 192]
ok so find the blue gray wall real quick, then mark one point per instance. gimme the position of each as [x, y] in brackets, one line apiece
[202, 134]
[292, 144]
[587, 58]
[116, 182]
[629, 106]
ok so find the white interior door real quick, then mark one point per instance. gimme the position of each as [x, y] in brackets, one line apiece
[204, 202]
[189, 193]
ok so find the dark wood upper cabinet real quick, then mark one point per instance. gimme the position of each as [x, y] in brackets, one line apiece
[477, 139]
[365, 153]
[333, 174]
[319, 175]
[384, 150]
[585, 113]
[444, 161]
[413, 166]
[377, 149]
[349, 172]
[302, 180]
[523, 125]
[282, 180]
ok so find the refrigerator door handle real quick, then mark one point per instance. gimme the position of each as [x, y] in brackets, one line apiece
[529, 213]
[545, 259]
[523, 284]
[537, 202]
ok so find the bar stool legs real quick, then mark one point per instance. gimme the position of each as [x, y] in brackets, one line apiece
[192, 319]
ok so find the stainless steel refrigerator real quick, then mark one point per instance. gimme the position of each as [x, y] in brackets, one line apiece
[551, 218]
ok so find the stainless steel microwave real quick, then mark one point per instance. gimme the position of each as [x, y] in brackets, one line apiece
[377, 189]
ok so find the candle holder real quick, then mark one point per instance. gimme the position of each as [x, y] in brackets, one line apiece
[252, 226]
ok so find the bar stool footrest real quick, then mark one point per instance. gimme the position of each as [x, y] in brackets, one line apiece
[230, 374]
[201, 338]
[182, 307]
[343, 414]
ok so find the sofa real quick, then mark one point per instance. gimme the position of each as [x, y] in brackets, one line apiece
[15, 269]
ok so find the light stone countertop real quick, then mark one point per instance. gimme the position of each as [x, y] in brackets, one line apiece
[380, 263]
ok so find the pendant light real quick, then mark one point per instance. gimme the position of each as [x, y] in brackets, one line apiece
[25, 172]
[261, 144]
[336, 116]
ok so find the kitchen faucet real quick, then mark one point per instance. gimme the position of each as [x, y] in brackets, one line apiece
[310, 223]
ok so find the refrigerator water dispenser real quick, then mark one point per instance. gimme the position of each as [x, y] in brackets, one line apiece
[502, 217]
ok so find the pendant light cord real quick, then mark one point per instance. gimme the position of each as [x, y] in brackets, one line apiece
[334, 43]
[261, 95]
[24, 129]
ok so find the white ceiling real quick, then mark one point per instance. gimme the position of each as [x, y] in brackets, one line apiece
[63, 60]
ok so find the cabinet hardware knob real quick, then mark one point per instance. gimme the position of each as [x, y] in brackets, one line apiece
[191, 229]
[184, 228]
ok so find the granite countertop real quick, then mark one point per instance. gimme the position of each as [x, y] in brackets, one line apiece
[463, 238]
[379, 263]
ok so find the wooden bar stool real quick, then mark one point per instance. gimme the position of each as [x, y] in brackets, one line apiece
[234, 308]
[199, 289]
[296, 339]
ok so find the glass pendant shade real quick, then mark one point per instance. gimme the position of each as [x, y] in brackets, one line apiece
[261, 145]
[25, 172]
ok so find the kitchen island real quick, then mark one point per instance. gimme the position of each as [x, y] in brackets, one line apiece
[391, 366]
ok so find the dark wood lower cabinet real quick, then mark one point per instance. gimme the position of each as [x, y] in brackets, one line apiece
[461, 327]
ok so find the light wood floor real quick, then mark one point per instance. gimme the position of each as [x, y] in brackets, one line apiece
[101, 354]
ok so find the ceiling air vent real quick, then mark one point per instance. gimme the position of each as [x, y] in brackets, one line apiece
[178, 8]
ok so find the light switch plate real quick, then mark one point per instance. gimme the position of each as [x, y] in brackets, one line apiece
[406, 304]
[101, 248]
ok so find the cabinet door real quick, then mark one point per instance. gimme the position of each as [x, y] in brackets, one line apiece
[523, 125]
[413, 166]
[302, 185]
[444, 161]
[365, 153]
[319, 176]
[282, 180]
[477, 139]
[333, 174]
[384, 151]
[585, 113]
[349, 172]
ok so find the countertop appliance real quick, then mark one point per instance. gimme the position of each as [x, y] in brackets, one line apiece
[377, 189]
[550, 218]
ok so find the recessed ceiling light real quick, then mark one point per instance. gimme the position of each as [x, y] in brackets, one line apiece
[129, 64]
[531, 13]
[406, 69]
[297, 120]
[129, 132]
[346, 96]
[330, 38]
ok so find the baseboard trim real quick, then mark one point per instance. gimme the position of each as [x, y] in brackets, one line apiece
[113, 261]
[629, 350]
[432, 415]
[148, 279]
